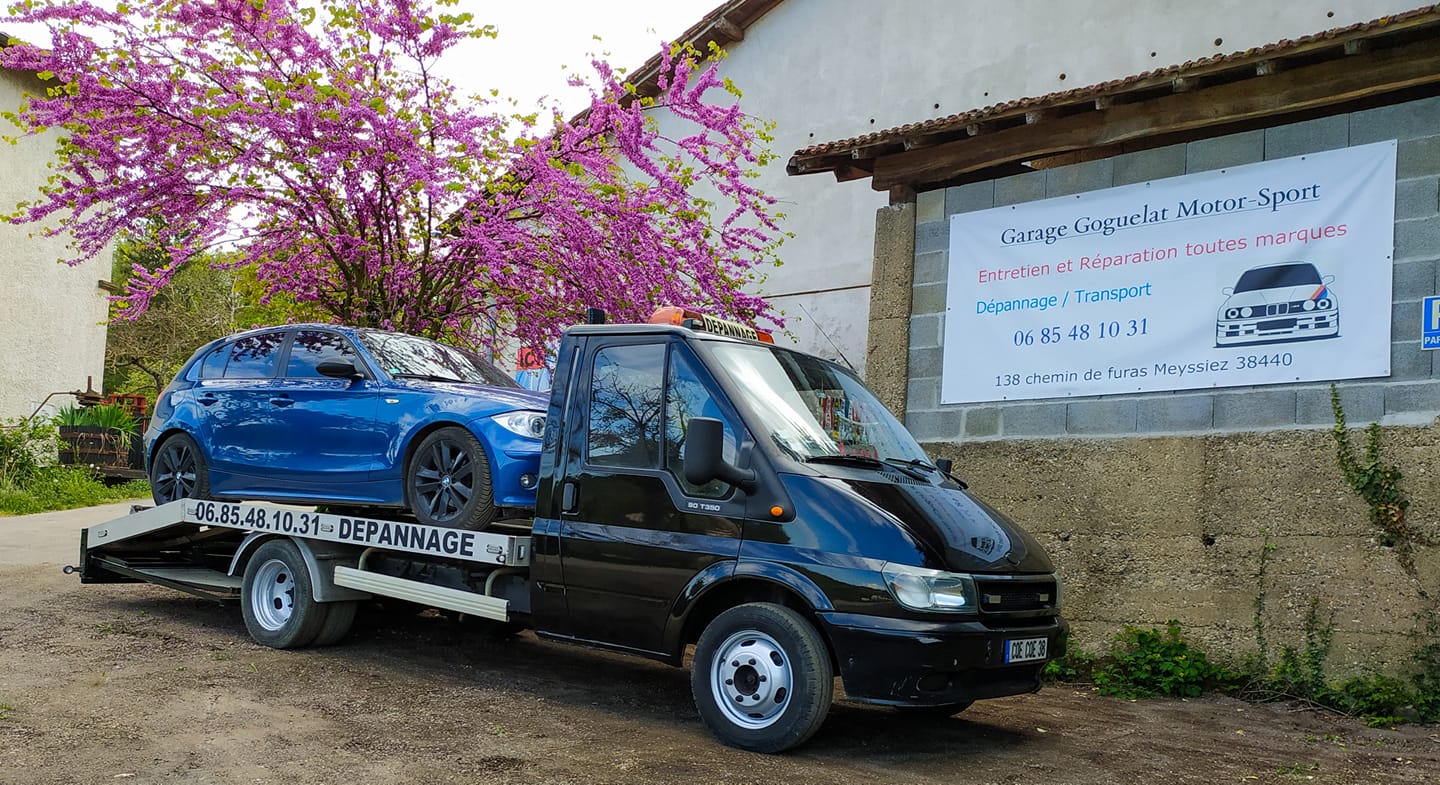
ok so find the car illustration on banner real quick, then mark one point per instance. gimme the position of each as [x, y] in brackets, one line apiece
[1278, 303]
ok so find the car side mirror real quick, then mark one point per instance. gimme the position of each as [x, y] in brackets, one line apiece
[704, 456]
[1329, 279]
[1227, 291]
[339, 370]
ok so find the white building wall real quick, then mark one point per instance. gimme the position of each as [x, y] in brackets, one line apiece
[52, 316]
[832, 69]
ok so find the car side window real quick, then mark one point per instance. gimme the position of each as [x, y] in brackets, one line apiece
[625, 406]
[254, 357]
[686, 396]
[213, 366]
[313, 347]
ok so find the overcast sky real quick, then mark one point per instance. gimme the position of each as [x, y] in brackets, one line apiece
[538, 37]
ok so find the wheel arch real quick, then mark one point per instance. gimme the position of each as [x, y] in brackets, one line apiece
[320, 560]
[775, 584]
[418, 435]
[165, 435]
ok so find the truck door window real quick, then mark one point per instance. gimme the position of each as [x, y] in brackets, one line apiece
[625, 406]
[685, 397]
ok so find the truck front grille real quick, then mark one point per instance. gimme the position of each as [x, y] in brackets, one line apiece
[1016, 595]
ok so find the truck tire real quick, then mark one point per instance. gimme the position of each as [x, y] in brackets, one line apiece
[761, 678]
[448, 481]
[277, 600]
[178, 471]
[339, 617]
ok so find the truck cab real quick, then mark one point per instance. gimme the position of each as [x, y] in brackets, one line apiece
[761, 504]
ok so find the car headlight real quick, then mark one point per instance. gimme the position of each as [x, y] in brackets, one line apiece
[531, 425]
[1232, 313]
[1308, 305]
[922, 589]
[1245, 312]
[1323, 303]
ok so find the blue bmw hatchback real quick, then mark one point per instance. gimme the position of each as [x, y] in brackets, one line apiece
[317, 414]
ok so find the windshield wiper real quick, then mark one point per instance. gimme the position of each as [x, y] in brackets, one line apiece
[426, 377]
[908, 468]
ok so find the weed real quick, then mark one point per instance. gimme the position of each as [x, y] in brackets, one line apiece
[62, 488]
[1075, 666]
[1146, 663]
[5, 710]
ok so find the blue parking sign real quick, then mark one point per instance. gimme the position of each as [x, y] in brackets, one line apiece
[1430, 324]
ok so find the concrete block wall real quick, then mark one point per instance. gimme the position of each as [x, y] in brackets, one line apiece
[1410, 395]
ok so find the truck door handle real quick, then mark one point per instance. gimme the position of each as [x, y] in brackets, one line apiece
[569, 497]
[207, 399]
[283, 400]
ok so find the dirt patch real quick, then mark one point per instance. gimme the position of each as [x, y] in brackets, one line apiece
[139, 684]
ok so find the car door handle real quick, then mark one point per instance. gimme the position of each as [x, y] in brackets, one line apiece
[283, 400]
[207, 399]
[569, 497]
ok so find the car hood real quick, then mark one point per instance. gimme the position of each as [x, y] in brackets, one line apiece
[1285, 294]
[479, 398]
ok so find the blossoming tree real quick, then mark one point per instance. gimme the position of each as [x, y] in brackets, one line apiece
[321, 147]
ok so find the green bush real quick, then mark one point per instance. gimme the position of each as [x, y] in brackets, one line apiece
[25, 446]
[105, 415]
[1146, 663]
[65, 488]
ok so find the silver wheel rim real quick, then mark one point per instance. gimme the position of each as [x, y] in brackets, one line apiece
[751, 679]
[272, 594]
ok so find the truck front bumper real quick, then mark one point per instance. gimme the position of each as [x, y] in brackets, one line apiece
[901, 662]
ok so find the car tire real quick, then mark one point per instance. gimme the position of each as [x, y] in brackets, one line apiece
[447, 481]
[277, 599]
[179, 471]
[761, 678]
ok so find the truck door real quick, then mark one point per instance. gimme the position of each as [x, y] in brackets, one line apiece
[633, 532]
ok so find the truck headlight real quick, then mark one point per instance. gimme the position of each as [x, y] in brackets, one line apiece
[531, 425]
[923, 589]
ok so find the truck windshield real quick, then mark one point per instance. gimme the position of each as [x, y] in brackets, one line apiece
[813, 409]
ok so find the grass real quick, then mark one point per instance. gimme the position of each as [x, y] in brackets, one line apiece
[65, 488]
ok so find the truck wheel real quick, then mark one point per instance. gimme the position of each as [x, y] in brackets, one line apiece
[339, 617]
[178, 471]
[277, 600]
[761, 678]
[448, 482]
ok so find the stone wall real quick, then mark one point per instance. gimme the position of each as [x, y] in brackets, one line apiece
[1148, 529]
[1159, 505]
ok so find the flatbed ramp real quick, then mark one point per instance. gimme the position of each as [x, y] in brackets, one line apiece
[198, 546]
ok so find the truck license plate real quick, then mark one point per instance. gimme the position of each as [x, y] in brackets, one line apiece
[1026, 649]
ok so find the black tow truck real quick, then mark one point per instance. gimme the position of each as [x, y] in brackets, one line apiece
[699, 486]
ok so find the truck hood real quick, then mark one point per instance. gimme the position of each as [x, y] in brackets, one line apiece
[957, 529]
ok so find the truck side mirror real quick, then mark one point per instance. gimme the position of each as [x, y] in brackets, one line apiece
[704, 459]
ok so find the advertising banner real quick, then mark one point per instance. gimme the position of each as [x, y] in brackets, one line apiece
[1261, 274]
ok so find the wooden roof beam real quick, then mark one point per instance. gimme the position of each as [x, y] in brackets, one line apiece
[1296, 90]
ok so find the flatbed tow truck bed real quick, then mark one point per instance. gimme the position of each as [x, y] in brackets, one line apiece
[199, 547]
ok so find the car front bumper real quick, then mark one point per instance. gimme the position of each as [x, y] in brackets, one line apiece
[902, 662]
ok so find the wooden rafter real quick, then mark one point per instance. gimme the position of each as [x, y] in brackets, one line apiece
[1298, 89]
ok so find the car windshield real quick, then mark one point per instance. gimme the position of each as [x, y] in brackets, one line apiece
[1279, 276]
[407, 356]
[813, 409]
